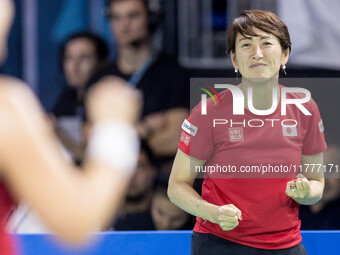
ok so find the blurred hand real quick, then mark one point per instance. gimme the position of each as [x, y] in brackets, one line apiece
[298, 188]
[112, 98]
[227, 217]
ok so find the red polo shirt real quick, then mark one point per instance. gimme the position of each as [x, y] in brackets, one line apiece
[251, 159]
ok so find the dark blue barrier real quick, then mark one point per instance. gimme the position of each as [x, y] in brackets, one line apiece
[155, 243]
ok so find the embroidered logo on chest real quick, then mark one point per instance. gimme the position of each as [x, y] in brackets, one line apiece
[236, 134]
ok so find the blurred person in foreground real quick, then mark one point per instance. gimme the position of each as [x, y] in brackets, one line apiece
[80, 56]
[73, 203]
[250, 212]
[164, 85]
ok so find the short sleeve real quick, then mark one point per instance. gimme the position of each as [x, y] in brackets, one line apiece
[197, 136]
[314, 140]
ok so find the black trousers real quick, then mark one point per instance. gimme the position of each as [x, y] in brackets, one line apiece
[205, 244]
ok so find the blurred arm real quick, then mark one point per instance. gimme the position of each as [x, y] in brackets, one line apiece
[71, 202]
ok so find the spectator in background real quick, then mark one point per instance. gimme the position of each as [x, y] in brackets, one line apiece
[165, 86]
[324, 215]
[163, 215]
[80, 56]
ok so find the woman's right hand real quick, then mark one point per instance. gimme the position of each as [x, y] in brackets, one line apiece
[112, 98]
[227, 217]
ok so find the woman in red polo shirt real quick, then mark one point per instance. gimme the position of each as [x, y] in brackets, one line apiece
[242, 211]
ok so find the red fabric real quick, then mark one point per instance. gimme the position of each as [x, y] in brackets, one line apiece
[270, 217]
[6, 208]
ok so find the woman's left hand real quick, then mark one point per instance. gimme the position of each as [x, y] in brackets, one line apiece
[298, 188]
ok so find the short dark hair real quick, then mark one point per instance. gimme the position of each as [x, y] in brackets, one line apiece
[263, 20]
[101, 48]
[154, 17]
[109, 2]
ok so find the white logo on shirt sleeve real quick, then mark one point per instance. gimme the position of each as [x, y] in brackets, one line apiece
[189, 128]
[321, 126]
